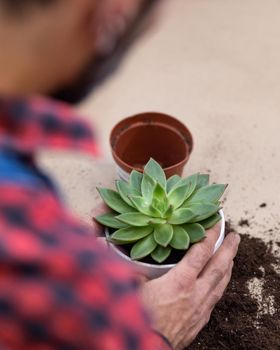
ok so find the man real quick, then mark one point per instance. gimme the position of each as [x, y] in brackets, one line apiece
[59, 289]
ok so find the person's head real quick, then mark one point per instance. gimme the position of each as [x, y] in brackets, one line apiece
[45, 44]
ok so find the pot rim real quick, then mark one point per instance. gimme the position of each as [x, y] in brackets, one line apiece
[132, 122]
[166, 266]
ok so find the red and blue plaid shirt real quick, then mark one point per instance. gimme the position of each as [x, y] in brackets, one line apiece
[59, 290]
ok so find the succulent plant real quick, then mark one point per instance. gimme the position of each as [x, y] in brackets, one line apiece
[156, 215]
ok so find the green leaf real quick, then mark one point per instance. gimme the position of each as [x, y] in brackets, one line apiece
[155, 171]
[143, 248]
[145, 208]
[160, 201]
[159, 193]
[139, 220]
[181, 216]
[114, 201]
[160, 254]
[163, 234]
[135, 181]
[181, 239]
[182, 191]
[203, 180]
[160, 206]
[140, 204]
[210, 193]
[203, 211]
[169, 212]
[178, 195]
[131, 234]
[195, 231]
[191, 181]
[109, 220]
[124, 191]
[172, 182]
[211, 222]
[147, 187]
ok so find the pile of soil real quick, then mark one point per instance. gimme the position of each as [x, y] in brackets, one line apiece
[246, 318]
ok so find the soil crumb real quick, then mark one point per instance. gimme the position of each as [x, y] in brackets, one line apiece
[248, 316]
[244, 222]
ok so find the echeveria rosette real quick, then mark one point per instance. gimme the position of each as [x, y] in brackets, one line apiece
[157, 215]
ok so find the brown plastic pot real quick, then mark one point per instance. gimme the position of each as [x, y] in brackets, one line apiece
[136, 139]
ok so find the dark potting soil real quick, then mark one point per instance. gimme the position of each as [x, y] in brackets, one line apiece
[237, 323]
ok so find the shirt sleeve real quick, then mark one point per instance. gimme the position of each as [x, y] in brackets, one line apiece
[59, 289]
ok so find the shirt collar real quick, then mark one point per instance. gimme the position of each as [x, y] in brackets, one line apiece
[28, 124]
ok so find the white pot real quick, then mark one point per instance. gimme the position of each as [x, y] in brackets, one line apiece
[152, 271]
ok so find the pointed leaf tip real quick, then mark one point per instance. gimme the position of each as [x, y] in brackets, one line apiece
[155, 171]
[110, 220]
[114, 201]
[124, 191]
[209, 193]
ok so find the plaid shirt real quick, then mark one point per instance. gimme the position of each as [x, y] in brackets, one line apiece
[58, 288]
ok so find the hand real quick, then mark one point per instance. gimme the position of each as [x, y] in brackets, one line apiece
[181, 301]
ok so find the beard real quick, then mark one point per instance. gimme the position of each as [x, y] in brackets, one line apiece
[91, 75]
[80, 87]
[97, 69]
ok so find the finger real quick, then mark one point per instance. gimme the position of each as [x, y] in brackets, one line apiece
[218, 266]
[219, 291]
[198, 256]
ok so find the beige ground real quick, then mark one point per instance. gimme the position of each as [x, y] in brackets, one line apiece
[214, 64]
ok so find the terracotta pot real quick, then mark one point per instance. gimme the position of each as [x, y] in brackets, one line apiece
[152, 271]
[136, 139]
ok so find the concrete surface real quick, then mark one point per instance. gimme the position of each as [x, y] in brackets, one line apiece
[215, 65]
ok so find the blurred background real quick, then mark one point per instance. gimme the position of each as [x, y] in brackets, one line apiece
[215, 66]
